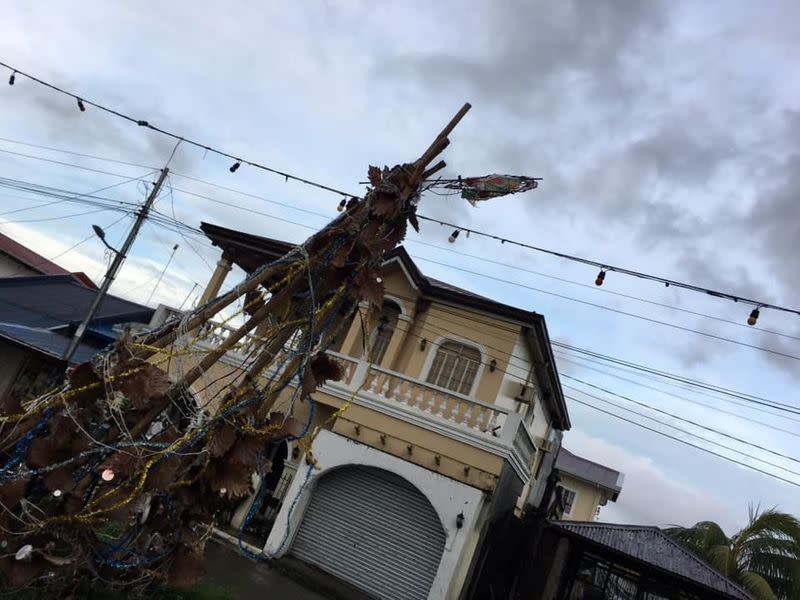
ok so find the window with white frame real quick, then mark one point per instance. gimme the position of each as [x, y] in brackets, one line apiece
[567, 500]
[455, 366]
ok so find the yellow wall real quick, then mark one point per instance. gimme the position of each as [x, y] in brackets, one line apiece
[587, 499]
[436, 451]
[496, 337]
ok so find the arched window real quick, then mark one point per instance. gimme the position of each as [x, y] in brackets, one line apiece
[382, 334]
[455, 366]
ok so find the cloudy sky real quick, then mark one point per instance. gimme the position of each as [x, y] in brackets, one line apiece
[665, 133]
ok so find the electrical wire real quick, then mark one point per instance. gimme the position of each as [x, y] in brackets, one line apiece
[524, 367]
[70, 249]
[60, 218]
[528, 287]
[81, 154]
[295, 223]
[667, 375]
[685, 431]
[617, 269]
[487, 260]
[710, 429]
[532, 288]
[747, 418]
[674, 416]
[685, 442]
[239, 161]
[749, 398]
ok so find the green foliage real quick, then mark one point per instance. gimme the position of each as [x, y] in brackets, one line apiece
[764, 557]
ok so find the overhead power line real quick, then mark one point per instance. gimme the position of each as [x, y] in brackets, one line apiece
[605, 267]
[692, 434]
[520, 364]
[515, 283]
[238, 161]
[674, 416]
[671, 379]
[684, 431]
[414, 242]
[694, 382]
[567, 358]
[685, 442]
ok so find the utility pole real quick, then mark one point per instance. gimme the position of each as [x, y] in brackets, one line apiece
[119, 258]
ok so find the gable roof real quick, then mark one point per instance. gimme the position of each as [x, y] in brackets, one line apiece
[589, 471]
[47, 342]
[55, 300]
[250, 251]
[650, 545]
[37, 262]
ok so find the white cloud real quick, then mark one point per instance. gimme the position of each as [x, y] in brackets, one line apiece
[136, 278]
[649, 495]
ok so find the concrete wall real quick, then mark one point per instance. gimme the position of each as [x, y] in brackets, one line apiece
[448, 498]
[12, 358]
[587, 498]
[10, 267]
[494, 337]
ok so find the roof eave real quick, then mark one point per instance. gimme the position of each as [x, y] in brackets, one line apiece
[546, 370]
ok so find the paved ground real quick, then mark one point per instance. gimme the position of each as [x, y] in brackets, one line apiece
[248, 579]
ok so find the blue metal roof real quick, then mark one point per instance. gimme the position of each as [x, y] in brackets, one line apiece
[53, 300]
[46, 341]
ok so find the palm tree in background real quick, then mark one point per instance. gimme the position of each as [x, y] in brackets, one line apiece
[764, 557]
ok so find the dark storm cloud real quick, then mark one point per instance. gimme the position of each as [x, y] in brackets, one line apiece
[522, 50]
[775, 220]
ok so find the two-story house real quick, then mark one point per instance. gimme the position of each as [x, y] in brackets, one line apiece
[586, 486]
[450, 404]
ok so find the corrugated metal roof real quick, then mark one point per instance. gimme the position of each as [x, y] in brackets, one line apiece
[579, 467]
[36, 262]
[652, 546]
[52, 300]
[45, 341]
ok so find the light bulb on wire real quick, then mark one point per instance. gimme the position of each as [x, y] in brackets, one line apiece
[12, 78]
[81, 106]
[342, 205]
[601, 277]
[453, 236]
[751, 320]
[235, 167]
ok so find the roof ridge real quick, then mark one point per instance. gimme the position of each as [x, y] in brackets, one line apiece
[589, 460]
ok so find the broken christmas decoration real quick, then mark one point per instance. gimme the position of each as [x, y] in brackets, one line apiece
[119, 473]
[474, 189]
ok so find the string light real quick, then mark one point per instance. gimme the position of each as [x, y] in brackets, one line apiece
[235, 166]
[12, 78]
[453, 236]
[751, 320]
[108, 475]
[81, 106]
[601, 277]
[342, 205]
[616, 269]
[24, 553]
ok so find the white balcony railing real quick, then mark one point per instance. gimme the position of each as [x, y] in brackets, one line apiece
[400, 391]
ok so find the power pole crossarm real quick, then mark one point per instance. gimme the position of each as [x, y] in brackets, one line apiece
[119, 258]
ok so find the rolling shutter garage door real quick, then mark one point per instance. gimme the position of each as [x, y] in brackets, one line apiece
[373, 529]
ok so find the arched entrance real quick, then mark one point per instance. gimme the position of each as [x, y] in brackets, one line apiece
[373, 529]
